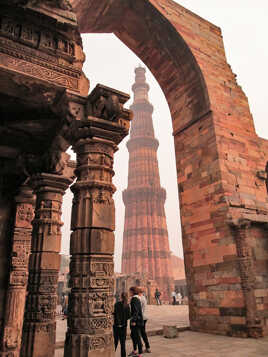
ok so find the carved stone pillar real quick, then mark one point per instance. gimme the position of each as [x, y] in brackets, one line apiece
[40, 313]
[247, 274]
[92, 241]
[15, 297]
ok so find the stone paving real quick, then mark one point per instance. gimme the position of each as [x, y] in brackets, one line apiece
[157, 317]
[188, 344]
[194, 344]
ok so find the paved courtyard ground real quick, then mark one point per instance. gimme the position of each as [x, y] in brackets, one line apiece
[188, 344]
[194, 344]
[157, 317]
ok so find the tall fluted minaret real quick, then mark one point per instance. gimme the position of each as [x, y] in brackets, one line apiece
[145, 241]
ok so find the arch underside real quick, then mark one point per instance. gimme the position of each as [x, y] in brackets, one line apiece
[157, 43]
[205, 152]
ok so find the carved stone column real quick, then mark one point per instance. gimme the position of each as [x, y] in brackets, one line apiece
[93, 222]
[40, 313]
[15, 297]
[247, 274]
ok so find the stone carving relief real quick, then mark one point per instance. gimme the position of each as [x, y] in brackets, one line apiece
[60, 4]
[31, 35]
[104, 103]
[92, 324]
[46, 282]
[25, 215]
[93, 268]
[95, 275]
[11, 338]
[91, 304]
[18, 278]
[91, 343]
[76, 110]
[106, 107]
[42, 307]
[42, 54]
[50, 73]
[20, 254]
[98, 303]
[53, 161]
[102, 269]
[99, 342]
[49, 213]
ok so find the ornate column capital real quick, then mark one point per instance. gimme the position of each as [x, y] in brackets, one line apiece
[45, 181]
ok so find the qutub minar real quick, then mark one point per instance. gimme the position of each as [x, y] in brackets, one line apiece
[145, 241]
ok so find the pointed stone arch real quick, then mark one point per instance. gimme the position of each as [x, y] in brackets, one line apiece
[165, 52]
[217, 152]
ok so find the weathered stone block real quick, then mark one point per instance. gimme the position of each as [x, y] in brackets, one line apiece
[44, 261]
[170, 331]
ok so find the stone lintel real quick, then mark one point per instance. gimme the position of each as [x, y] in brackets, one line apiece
[247, 219]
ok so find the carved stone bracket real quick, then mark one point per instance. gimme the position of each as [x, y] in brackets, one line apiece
[107, 103]
[40, 312]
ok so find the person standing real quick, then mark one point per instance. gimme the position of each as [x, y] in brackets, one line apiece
[121, 316]
[136, 321]
[145, 319]
[157, 295]
[179, 298]
[117, 296]
[65, 306]
[173, 294]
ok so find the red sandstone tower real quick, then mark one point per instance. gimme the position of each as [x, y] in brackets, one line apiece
[145, 241]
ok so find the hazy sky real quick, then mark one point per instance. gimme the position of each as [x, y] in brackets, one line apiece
[110, 62]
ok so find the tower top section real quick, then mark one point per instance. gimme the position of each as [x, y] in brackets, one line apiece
[140, 87]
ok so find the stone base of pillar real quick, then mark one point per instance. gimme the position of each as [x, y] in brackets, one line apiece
[39, 336]
[89, 345]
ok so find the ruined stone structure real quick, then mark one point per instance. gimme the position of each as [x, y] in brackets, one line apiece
[123, 282]
[45, 109]
[221, 164]
[145, 241]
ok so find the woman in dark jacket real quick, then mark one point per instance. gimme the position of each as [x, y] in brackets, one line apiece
[136, 321]
[121, 315]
